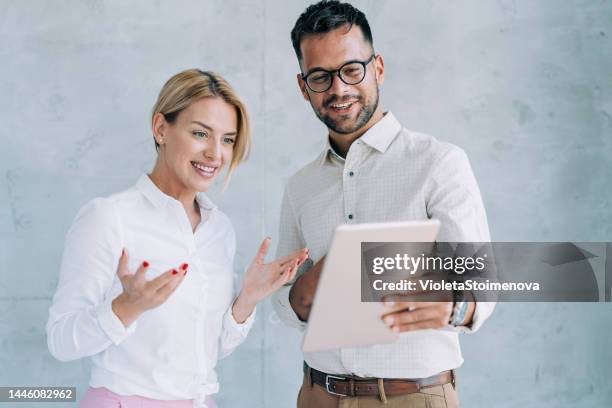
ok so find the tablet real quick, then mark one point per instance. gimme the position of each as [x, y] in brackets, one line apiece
[338, 318]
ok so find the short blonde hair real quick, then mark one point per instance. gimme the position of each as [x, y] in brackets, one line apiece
[192, 85]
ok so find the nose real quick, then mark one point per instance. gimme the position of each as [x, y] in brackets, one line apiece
[213, 149]
[338, 86]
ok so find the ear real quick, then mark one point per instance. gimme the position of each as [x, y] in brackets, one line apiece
[379, 69]
[159, 126]
[302, 86]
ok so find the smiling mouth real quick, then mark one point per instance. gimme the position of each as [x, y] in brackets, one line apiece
[204, 171]
[341, 107]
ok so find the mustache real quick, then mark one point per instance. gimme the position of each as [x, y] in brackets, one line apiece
[335, 99]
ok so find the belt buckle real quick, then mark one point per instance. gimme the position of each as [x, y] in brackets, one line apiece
[327, 384]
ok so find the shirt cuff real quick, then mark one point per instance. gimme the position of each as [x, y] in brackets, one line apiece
[110, 323]
[481, 313]
[284, 310]
[242, 329]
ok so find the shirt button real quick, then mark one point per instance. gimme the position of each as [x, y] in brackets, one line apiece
[350, 216]
[351, 174]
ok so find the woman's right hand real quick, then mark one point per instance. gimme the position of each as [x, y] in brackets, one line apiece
[140, 294]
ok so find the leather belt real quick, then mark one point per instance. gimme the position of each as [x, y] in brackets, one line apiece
[349, 386]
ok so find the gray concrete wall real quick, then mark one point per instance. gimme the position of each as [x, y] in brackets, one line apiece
[525, 87]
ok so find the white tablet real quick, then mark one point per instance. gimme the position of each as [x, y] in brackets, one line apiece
[338, 317]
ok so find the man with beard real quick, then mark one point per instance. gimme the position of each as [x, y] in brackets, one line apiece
[373, 170]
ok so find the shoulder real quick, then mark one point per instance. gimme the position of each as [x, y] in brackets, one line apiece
[427, 146]
[103, 212]
[98, 210]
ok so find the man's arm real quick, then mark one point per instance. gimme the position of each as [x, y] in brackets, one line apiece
[302, 292]
[453, 197]
[289, 239]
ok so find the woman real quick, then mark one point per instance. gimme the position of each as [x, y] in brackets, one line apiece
[154, 335]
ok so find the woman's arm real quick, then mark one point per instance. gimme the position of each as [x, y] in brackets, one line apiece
[260, 281]
[81, 320]
[86, 316]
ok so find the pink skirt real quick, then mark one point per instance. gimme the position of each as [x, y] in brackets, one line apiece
[105, 398]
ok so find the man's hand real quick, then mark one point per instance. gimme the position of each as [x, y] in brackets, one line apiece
[403, 316]
[302, 292]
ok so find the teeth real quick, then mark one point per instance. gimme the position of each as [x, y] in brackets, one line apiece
[342, 106]
[203, 168]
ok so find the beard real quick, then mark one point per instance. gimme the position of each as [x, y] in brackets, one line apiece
[348, 126]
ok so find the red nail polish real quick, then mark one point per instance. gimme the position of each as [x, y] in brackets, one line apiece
[289, 270]
[174, 271]
[145, 264]
[184, 266]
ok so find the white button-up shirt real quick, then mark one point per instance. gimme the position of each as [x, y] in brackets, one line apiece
[169, 352]
[389, 174]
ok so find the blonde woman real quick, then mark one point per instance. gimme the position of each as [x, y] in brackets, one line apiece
[146, 281]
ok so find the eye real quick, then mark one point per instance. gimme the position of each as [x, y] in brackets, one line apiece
[229, 140]
[200, 134]
[319, 78]
[352, 71]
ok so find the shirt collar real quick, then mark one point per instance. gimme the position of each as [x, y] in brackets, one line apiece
[160, 199]
[378, 137]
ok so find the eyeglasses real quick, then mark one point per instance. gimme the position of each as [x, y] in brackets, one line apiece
[351, 73]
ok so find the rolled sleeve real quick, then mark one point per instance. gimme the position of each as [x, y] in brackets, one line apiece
[481, 313]
[111, 324]
[284, 311]
[234, 333]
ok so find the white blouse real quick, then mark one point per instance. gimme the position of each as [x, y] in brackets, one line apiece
[169, 352]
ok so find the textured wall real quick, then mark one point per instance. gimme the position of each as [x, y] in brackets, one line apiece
[523, 86]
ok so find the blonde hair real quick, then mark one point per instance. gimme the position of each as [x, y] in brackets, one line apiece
[191, 85]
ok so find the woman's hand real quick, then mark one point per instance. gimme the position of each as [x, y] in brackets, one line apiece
[263, 279]
[140, 294]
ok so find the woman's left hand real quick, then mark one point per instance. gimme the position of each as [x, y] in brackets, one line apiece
[263, 279]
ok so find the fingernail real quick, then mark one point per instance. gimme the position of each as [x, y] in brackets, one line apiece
[174, 271]
[395, 329]
[123, 252]
[184, 266]
[289, 270]
[145, 264]
[389, 320]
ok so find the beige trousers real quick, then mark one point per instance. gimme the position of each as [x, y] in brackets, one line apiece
[438, 396]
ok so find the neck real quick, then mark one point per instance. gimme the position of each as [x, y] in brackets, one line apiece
[341, 142]
[169, 185]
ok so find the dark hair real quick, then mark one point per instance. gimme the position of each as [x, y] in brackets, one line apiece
[326, 16]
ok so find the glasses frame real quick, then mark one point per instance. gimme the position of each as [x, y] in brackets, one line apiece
[337, 72]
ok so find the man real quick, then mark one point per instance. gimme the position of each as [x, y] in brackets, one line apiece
[373, 170]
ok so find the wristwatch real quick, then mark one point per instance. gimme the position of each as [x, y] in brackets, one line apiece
[461, 300]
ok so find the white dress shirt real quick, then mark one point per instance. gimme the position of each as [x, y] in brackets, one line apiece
[169, 352]
[389, 174]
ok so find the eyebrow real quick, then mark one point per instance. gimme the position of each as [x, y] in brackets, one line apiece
[311, 70]
[204, 125]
